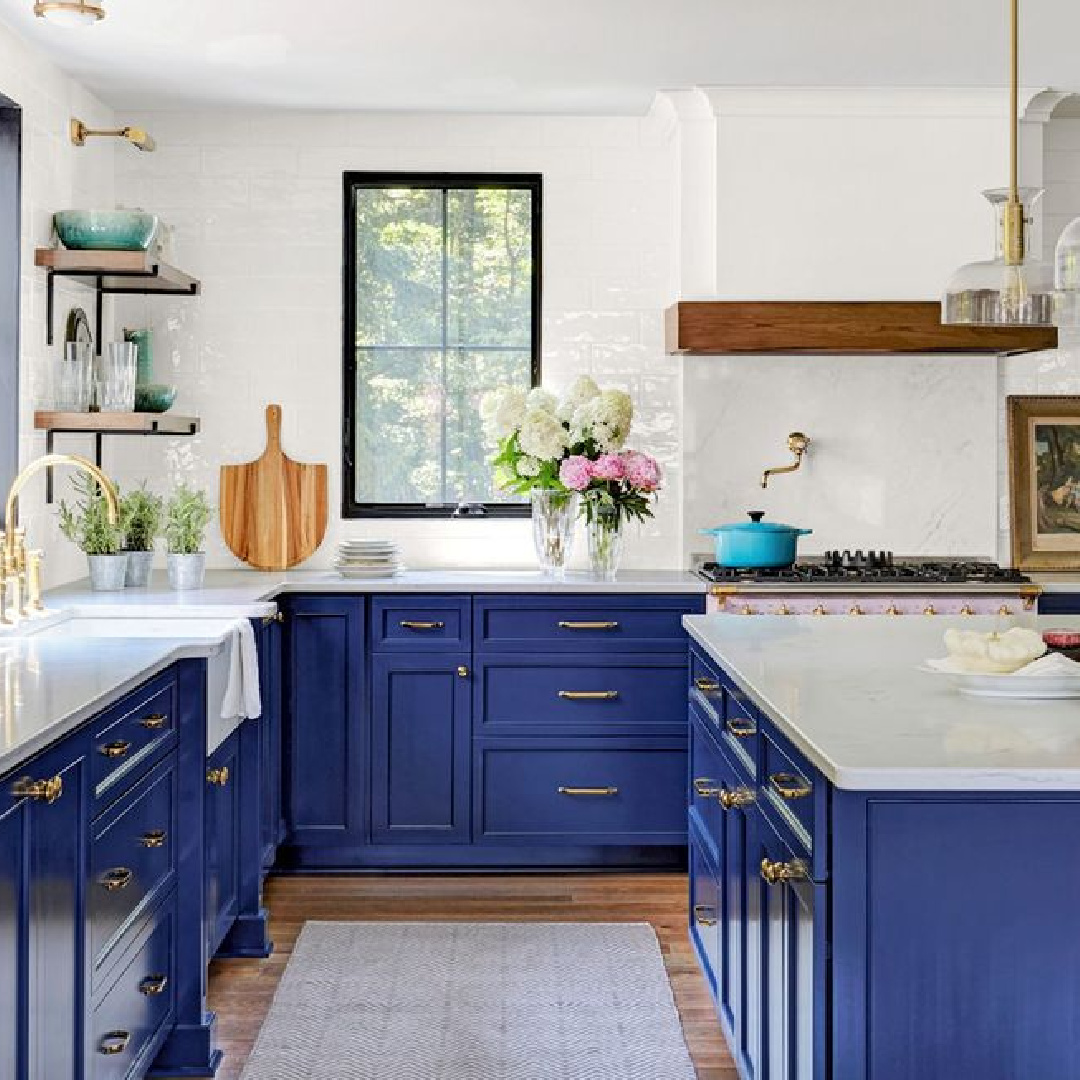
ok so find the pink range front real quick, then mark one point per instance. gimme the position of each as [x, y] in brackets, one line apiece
[745, 601]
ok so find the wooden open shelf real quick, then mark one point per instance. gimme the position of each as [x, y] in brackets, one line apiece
[859, 327]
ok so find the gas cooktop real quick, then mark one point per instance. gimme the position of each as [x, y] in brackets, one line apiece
[871, 568]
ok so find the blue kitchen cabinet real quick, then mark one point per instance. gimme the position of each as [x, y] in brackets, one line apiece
[222, 827]
[1056, 603]
[272, 822]
[325, 730]
[420, 748]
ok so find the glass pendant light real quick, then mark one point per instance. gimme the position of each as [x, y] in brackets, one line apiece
[70, 12]
[1013, 288]
[1067, 277]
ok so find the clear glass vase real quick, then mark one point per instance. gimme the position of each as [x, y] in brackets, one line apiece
[553, 514]
[605, 545]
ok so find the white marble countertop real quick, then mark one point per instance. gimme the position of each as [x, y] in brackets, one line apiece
[251, 592]
[848, 694]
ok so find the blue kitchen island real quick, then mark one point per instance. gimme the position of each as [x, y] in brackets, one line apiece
[885, 874]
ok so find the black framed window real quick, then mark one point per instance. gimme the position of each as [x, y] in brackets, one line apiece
[10, 152]
[442, 304]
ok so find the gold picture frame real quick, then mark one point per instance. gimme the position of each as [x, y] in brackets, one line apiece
[1044, 482]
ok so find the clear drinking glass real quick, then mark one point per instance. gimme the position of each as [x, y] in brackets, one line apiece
[116, 377]
[72, 378]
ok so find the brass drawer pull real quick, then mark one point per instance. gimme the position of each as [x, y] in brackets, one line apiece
[218, 776]
[741, 728]
[736, 798]
[588, 695]
[114, 1042]
[411, 624]
[46, 790]
[116, 749]
[154, 722]
[153, 985]
[704, 915]
[704, 789]
[706, 686]
[277, 617]
[588, 791]
[116, 879]
[605, 624]
[790, 785]
[155, 838]
[776, 873]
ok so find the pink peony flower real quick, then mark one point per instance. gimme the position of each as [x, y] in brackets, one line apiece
[609, 467]
[642, 471]
[576, 472]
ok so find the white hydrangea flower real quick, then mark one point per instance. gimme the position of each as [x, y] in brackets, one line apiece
[542, 399]
[542, 435]
[605, 419]
[502, 411]
[582, 389]
[528, 466]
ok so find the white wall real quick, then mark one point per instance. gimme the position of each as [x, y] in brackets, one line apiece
[255, 199]
[55, 176]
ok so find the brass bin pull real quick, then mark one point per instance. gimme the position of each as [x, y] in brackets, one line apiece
[588, 791]
[603, 624]
[706, 686]
[117, 878]
[218, 776]
[153, 985]
[705, 789]
[736, 798]
[116, 749]
[776, 873]
[704, 915]
[154, 722]
[741, 728]
[411, 624]
[155, 838]
[46, 790]
[588, 695]
[790, 785]
[114, 1042]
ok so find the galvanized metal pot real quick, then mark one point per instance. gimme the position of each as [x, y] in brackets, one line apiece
[139, 566]
[107, 572]
[186, 571]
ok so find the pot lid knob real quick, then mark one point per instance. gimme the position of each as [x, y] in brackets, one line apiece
[755, 516]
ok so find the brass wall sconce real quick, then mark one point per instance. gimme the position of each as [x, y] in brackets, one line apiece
[797, 443]
[140, 139]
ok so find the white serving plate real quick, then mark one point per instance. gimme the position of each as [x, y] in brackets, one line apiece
[369, 572]
[1028, 687]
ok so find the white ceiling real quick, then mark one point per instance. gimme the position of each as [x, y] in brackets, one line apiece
[567, 56]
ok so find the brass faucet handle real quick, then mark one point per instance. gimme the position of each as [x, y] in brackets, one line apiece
[34, 580]
[19, 549]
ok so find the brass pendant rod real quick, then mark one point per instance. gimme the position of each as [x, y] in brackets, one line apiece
[1014, 100]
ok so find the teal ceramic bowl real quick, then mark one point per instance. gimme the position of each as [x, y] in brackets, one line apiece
[154, 397]
[105, 230]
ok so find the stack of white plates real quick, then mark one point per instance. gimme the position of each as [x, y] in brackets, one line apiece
[367, 558]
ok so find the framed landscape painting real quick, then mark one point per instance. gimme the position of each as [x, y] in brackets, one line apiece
[1044, 482]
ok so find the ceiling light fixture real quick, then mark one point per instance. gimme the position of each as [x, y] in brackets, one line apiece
[138, 137]
[1012, 289]
[70, 12]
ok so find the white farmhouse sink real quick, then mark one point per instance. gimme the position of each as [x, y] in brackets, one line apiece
[212, 633]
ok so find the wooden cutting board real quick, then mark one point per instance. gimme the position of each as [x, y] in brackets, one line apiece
[273, 511]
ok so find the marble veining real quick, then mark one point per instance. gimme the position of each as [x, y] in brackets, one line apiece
[849, 695]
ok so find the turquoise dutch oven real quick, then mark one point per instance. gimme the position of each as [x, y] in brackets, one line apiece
[756, 544]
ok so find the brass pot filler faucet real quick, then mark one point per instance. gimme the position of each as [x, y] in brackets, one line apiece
[797, 443]
[20, 570]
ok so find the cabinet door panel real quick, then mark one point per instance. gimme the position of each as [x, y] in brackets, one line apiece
[325, 756]
[269, 643]
[13, 930]
[420, 749]
[222, 809]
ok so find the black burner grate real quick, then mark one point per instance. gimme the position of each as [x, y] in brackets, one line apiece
[873, 568]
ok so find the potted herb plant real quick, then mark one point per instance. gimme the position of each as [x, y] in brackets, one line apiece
[186, 517]
[143, 514]
[86, 523]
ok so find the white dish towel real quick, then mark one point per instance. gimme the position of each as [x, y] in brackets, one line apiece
[242, 696]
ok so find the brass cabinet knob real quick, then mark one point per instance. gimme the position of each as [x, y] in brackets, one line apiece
[790, 785]
[218, 776]
[463, 671]
[704, 915]
[736, 798]
[783, 609]
[705, 685]
[1004, 610]
[45, 790]
[117, 749]
[776, 873]
[155, 838]
[153, 985]
[929, 610]
[740, 727]
[820, 610]
[967, 609]
[855, 610]
[746, 609]
[114, 1042]
[119, 877]
[154, 722]
[706, 789]
[892, 609]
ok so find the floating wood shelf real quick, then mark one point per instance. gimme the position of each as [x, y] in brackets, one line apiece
[111, 273]
[859, 327]
[100, 424]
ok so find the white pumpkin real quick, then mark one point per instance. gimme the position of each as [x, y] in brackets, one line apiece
[994, 652]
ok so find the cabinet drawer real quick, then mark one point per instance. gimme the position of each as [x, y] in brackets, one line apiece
[705, 912]
[131, 734]
[740, 735]
[419, 623]
[581, 793]
[706, 686]
[135, 1008]
[794, 797]
[132, 859]
[575, 623]
[586, 694]
[711, 776]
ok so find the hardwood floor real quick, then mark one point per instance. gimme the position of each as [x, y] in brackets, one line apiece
[241, 990]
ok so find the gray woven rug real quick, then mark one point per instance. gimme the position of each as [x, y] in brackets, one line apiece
[473, 1001]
